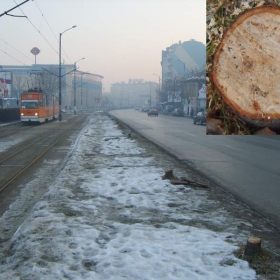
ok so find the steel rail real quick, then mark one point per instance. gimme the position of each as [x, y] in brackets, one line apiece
[8, 182]
[19, 150]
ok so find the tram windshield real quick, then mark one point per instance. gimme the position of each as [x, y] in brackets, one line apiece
[29, 104]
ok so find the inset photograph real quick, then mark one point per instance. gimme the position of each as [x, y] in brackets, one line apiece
[243, 67]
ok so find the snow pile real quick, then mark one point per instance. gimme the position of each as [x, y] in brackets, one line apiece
[111, 216]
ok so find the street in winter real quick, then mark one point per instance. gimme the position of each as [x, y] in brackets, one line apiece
[110, 215]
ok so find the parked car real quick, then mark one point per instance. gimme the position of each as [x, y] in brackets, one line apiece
[144, 109]
[153, 112]
[200, 118]
[178, 113]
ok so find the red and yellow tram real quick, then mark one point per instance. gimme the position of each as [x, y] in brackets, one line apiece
[37, 106]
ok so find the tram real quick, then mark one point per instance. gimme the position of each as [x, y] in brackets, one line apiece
[38, 107]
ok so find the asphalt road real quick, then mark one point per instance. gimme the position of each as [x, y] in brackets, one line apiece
[246, 166]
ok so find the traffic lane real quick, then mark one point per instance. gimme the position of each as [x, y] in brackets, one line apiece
[261, 152]
[245, 166]
[249, 172]
[166, 123]
[258, 188]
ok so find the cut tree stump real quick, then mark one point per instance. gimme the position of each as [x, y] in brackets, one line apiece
[168, 174]
[246, 66]
[252, 248]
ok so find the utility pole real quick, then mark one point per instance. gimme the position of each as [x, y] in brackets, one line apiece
[150, 95]
[75, 85]
[60, 35]
[75, 88]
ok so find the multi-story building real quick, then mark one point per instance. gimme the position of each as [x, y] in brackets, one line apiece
[183, 64]
[135, 93]
[86, 86]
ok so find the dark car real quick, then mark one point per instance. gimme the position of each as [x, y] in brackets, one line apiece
[199, 118]
[153, 112]
[178, 113]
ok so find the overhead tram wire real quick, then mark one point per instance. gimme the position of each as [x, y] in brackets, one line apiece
[12, 57]
[45, 19]
[41, 33]
[16, 50]
[38, 30]
[51, 29]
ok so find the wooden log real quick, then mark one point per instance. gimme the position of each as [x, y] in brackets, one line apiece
[246, 66]
[188, 182]
[253, 247]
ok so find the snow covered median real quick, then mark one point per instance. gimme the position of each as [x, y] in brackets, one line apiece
[110, 215]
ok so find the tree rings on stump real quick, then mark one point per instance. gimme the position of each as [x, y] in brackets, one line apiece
[246, 66]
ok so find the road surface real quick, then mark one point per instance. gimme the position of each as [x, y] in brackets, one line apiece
[246, 166]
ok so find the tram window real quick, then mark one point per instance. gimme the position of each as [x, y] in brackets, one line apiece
[29, 105]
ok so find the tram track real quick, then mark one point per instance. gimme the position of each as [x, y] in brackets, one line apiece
[13, 130]
[15, 164]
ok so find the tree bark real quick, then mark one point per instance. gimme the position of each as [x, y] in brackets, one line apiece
[168, 174]
[252, 248]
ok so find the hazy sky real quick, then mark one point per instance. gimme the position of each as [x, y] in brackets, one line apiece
[120, 39]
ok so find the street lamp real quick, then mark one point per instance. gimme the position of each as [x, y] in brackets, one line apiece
[82, 89]
[158, 83]
[75, 87]
[60, 35]
[150, 96]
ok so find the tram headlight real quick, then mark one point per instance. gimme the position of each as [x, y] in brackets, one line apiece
[22, 114]
[36, 114]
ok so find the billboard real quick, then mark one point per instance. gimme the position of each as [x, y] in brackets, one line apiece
[5, 84]
[174, 96]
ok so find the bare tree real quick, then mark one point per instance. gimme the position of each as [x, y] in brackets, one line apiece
[49, 81]
[19, 84]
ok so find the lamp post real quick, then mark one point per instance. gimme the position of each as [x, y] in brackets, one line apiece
[150, 96]
[158, 83]
[82, 90]
[75, 86]
[60, 35]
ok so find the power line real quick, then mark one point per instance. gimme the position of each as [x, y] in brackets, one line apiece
[37, 30]
[12, 57]
[45, 20]
[51, 29]
[16, 49]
